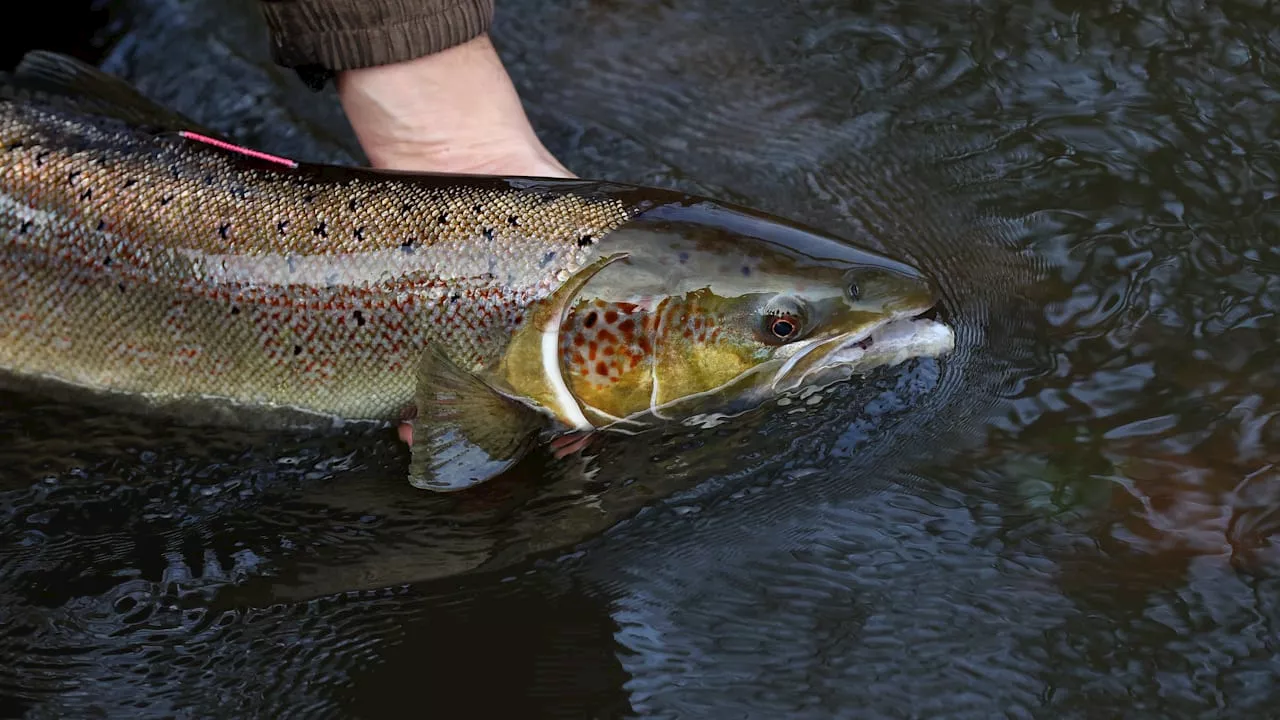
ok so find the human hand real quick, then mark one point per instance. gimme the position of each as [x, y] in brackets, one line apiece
[455, 111]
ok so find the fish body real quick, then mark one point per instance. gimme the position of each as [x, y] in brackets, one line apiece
[162, 266]
[141, 256]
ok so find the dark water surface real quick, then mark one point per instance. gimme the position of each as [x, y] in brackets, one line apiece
[1072, 517]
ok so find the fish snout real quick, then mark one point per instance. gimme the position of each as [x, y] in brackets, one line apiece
[885, 290]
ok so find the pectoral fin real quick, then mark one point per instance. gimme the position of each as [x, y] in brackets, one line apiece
[466, 431]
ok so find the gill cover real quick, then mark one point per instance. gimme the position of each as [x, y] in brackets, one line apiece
[470, 429]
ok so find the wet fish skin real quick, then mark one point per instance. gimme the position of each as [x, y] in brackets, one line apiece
[150, 264]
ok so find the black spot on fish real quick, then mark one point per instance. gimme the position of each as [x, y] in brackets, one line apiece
[443, 219]
[41, 158]
[106, 261]
[684, 258]
[590, 322]
[282, 227]
[16, 146]
[128, 183]
[166, 199]
[488, 234]
[173, 171]
[73, 176]
[308, 198]
[224, 230]
[102, 225]
[407, 245]
[209, 179]
[455, 297]
[746, 271]
[478, 208]
[547, 197]
[359, 233]
[87, 194]
[121, 286]
[513, 220]
[320, 230]
[353, 205]
[26, 226]
[585, 240]
[406, 208]
[235, 309]
[359, 316]
[546, 259]
[297, 350]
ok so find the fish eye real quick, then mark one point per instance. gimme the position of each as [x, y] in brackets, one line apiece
[854, 291]
[782, 327]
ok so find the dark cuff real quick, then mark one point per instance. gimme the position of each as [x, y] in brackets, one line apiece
[321, 37]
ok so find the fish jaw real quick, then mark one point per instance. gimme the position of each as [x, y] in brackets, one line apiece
[887, 342]
[896, 342]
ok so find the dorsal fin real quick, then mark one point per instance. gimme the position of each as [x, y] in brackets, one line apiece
[74, 85]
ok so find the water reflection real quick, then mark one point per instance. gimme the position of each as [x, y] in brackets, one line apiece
[1073, 514]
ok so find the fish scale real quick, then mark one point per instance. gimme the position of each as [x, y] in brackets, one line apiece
[152, 264]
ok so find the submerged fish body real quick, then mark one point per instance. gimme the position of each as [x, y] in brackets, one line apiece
[141, 258]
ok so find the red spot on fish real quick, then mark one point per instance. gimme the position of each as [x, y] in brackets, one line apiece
[602, 369]
[688, 333]
[608, 350]
[627, 327]
[579, 340]
[715, 334]
[607, 337]
[611, 317]
[697, 323]
[591, 350]
[643, 342]
[702, 337]
[635, 360]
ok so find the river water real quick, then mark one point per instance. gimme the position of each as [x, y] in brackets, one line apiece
[1071, 517]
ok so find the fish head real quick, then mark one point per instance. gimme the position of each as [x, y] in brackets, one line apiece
[717, 309]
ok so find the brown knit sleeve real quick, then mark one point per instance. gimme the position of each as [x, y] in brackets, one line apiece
[347, 34]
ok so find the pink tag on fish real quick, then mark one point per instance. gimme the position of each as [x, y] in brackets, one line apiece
[238, 149]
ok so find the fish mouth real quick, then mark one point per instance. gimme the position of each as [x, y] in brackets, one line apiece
[891, 341]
